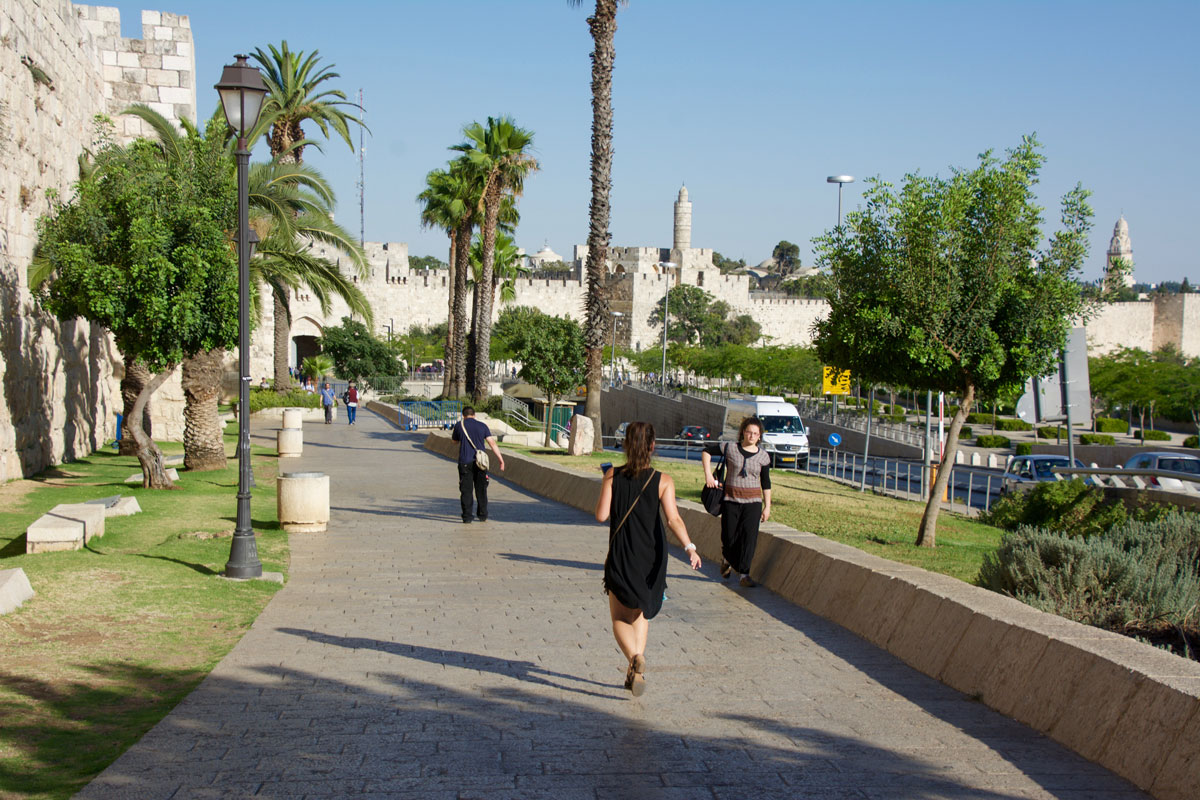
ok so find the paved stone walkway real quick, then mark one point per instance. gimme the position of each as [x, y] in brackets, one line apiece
[412, 656]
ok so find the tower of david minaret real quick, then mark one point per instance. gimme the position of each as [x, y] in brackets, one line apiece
[683, 221]
[1120, 247]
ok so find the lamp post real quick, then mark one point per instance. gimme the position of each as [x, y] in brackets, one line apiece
[840, 180]
[612, 368]
[663, 267]
[242, 93]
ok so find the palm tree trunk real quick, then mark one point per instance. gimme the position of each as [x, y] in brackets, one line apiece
[448, 351]
[135, 379]
[603, 27]
[462, 261]
[483, 310]
[154, 474]
[283, 335]
[203, 440]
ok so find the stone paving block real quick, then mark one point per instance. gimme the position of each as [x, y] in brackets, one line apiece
[14, 589]
[49, 533]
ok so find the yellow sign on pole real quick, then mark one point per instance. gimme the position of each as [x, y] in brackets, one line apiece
[840, 386]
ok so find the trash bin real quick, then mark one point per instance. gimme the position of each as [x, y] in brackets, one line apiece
[293, 418]
[303, 501]
[290, 442]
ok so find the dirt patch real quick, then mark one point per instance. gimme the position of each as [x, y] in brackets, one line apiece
[206, 534]
[13, 492]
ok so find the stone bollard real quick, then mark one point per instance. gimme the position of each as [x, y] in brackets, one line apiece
[290, 442]
[303, 501]
[293, 418]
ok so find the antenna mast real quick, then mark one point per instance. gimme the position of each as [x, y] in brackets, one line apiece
[362, 217]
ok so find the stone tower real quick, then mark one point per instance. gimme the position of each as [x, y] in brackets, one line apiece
[1120, 247]
[683, 221]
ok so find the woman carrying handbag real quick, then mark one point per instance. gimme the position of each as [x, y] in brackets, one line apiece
[747, 496]
[635, 571]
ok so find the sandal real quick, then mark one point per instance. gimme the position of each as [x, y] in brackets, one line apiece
[635, 678]
[726, 569]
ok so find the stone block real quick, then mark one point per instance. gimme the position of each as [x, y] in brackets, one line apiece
[125, 507]
[14, 589]
[179, 63]
[1146, 733]
[161, 32]
[1179, 775]
[184, 49]
[174, 94]
[930, 631]
[48, 533]
[90, 514]
[136, 477]
[583, 435]
[289, 442]
[128, 60]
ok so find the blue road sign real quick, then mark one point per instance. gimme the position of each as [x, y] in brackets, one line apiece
[834, 440]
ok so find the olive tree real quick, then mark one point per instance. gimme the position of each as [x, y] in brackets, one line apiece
[947, 285]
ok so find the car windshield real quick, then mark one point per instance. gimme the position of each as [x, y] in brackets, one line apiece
[1044, 466]
[782, 425]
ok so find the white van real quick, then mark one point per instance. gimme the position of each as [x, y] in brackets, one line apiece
[784, 435]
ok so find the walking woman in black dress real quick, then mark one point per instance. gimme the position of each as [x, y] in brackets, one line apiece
[747, 498]
[635, 571]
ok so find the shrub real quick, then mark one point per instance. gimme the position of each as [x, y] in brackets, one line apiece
[1013, 425]
[981, 419]
[965, 432]
[1024, 449]
[1192, 441]
[984, 440]
[1048, 432]
[1135, 575]
[269, 398]
[1152, 436]
[1096, 438]
[1111, 425]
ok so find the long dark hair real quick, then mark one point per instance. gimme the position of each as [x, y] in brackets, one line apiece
[746, 423]
[638, 446]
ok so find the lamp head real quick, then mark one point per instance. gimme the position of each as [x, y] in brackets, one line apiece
[242, 93]
[839, 179]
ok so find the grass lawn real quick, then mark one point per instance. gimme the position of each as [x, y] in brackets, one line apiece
[884, 526]
[121, 631]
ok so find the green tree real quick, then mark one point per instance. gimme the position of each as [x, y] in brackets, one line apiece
[317, 367]
[296, 93]
[498, 154]
[510, 328]
[355, 352]
[727, 265]
[696, 318]
[942, 285]
[426, 262]
[809, 286]
[509, 266]
[144, 253]
[602, 25]
[787, 257]
[552, 359]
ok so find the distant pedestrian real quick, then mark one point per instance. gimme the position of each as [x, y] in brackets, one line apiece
[635, 571]
[472, 436]
[327, 401]
[747, 496]
[350, 396]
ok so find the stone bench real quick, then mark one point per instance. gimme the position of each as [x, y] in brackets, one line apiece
[14, 589]
[67, 526]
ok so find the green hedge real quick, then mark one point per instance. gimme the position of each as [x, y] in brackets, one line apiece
[1024, 449]
[1048, 432]
[1152, 436]
[1135, 576]
[269, 398]
[1013, 425]
[1111, 425]
[965, 433]
[1096, 438]
[1192, 441]
[981, 419]
[984, 440]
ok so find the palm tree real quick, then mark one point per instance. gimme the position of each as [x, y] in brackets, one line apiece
[290, 206]
[295, 94]
[497, 154]
[603, 27]
[507, 268]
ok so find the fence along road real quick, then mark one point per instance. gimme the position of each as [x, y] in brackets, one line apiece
[412, 656]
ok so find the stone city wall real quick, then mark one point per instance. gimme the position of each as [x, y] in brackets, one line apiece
[60, 65]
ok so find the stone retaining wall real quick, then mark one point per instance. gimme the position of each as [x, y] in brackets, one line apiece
[1128, 706]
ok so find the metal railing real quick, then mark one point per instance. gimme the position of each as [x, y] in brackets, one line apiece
[1118, 478]
[903, 433]
[429, 413]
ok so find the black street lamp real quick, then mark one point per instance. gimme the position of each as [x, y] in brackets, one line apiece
[242, 93]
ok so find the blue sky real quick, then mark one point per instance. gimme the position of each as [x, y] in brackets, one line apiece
[752, 105]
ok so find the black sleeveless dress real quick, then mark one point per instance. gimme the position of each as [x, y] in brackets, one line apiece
[635, 571]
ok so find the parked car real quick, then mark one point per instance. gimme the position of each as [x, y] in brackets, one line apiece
[620, 434]
[1025, 471]
[1171, 462]
[694, 433]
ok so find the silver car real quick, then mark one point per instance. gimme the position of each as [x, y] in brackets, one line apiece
[1024, 472]
[1172, 462]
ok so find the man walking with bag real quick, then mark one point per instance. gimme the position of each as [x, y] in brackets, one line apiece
[473, 462]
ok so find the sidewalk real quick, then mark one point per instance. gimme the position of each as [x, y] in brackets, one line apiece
[412, 656]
